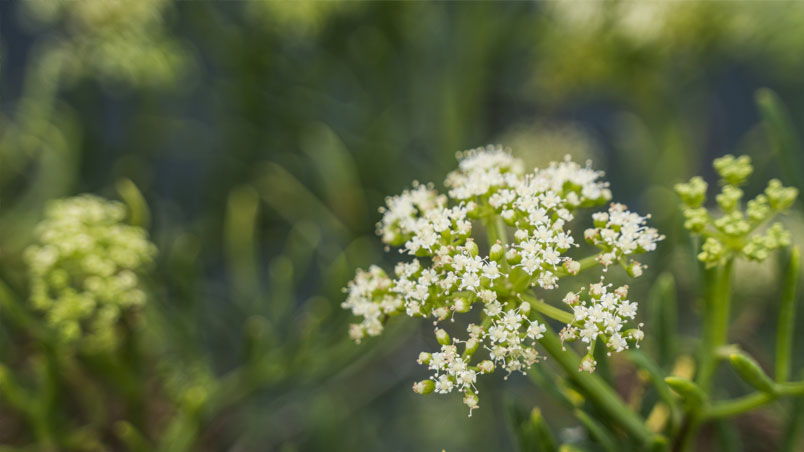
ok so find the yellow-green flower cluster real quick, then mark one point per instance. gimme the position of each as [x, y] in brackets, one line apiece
[736, 231]
[86, 268]
[118, 41]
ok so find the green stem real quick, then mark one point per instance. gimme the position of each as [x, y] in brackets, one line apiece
[548, 310]
[752, 401]
[716, 324]
[787, 316]
[601, 394]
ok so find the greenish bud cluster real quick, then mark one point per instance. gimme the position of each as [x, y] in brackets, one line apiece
[734, 171]
[693, 193]
[736, 231]
[85, 269]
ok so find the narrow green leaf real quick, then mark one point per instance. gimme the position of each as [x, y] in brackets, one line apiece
[781, 131]
[242, 208]
[139, 215]
[596, 389]
[787, 315]
[688, 391]
[645, 363]
[750, 371]
[544, 437]
[663, 308]
[598, 432]
[131, 437]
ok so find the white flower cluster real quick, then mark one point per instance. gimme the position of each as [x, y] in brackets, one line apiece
[86, 268]
[449, 274]
[603, 315]
[368, 297]
[620, 233]
[512, 337]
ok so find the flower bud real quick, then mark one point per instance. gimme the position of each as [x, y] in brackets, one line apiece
[600, 219]
[512, 257]
[461, 305]
[733, 171]
[509, 217]
[442, 337]
[471, 247]
[496, 252]
[424, 358]
[590, 235]
[486, 366]
[634, 269]
[471, 346]
[693, 193]
[472, 211]
[424, 387]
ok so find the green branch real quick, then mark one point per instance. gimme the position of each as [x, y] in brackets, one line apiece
[601, 394]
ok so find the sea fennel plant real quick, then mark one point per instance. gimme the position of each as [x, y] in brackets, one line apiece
[736, 232]
[496, 243]
[500, 242]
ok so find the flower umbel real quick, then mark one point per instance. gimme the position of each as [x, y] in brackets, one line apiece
[86, 268]
[449, 273]
[737, 231]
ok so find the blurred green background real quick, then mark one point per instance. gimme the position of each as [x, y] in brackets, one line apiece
[264, 135]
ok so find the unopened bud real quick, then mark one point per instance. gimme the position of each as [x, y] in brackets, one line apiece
[424, 387]
[442, 337]
[496, 252]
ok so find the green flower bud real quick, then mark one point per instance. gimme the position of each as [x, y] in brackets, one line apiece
[696, 219]
[424, 387]
[712, 252]
[693, 193]
[733, 224]
[512, 257]
[442, 337]
[780, 197]
[729, 198]
[496, 252]
[733, 171]
[486, 366]
[471, 346]
[471, 247]
[758, 209]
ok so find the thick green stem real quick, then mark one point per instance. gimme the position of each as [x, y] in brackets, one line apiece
[787, 316]
[601, 394]
[716, 324]
[715, 335]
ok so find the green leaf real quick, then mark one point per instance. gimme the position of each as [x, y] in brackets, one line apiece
[598, 432]
[664, 310]
[750, 371]
[139, 215]
[688, 391]
[780, 129]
